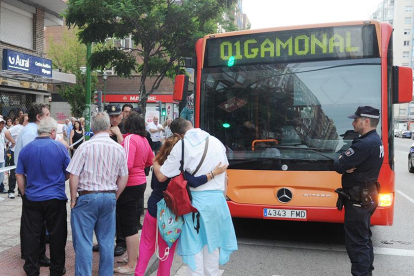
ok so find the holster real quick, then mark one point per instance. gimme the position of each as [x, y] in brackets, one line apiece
[361, 195]
[342, 195]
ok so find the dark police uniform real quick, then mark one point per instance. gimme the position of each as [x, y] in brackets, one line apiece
[115, 109]
[365, 155]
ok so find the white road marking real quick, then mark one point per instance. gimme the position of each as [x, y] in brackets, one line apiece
[183, 271]
[394, 252]
[335, 248]
[406, 196]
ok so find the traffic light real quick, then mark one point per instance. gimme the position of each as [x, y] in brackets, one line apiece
[159, 107]
[163, 112]
[97, 99]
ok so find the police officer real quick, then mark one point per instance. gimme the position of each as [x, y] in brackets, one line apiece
[115, 116]
[360, 166]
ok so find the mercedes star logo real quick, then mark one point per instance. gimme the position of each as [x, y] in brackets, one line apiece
[284, 195]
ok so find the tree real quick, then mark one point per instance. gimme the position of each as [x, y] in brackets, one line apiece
[162, 30]
[70, 56]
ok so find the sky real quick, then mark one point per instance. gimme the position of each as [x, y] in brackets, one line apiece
[276, 13]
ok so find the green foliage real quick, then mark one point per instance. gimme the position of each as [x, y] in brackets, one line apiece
[69, 56]
[76, 97]
[163, 31]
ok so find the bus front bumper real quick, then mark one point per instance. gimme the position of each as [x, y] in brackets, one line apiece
[382, 215]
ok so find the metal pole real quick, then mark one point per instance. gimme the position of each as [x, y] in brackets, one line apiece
[104, 76]
[88, 88]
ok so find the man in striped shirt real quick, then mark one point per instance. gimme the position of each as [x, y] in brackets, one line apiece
[99, 174]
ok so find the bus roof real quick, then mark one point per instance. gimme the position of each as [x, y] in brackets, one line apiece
[297, 27]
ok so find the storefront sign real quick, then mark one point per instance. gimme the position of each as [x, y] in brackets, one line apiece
[24, 84]
[15, 61]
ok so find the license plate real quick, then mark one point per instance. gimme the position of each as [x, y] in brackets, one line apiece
[284, 213]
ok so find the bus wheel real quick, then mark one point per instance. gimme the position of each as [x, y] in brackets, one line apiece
[410, 164]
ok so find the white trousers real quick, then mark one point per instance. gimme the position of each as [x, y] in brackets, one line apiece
[206, 264]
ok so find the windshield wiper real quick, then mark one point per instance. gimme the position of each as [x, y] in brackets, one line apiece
[314, 150]
[247, 160]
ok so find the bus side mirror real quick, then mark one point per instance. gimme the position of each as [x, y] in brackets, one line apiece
[403, 84]
[180, 87]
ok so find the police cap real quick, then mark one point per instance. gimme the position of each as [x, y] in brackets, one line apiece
[365, 111]
[137, 110]
[113, 109]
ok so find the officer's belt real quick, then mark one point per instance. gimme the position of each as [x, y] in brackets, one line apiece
[366, 185]
[357, 194]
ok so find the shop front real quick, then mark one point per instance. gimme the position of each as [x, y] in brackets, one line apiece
[163, 106]
[25, 79]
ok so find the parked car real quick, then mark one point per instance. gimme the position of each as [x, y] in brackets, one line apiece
[397, 132]
[406, 134]
[411, 159]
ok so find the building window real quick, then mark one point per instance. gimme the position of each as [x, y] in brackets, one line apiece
[406, 43]
[406, 54]
[16, 26]
[408, 8]
[407, 31]
[406, 64]
[407, 20]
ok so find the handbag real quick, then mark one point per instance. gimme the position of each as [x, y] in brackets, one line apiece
[169, 226]
[178, 195]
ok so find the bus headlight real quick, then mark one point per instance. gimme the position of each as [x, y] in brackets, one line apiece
[385, 200]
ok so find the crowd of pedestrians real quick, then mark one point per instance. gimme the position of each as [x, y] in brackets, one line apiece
[107, 181]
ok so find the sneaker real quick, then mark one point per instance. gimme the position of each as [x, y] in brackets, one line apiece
[11, 195]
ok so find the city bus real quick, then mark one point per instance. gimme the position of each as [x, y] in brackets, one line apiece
[278, 99]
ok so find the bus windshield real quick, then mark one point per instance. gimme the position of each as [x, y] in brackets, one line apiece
[287, 115]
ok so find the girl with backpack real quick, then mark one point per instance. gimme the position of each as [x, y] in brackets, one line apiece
[148, 234]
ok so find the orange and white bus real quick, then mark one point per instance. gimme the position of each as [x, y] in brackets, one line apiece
[279, 98]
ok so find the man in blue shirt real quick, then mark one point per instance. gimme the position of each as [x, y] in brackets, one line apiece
[41, 175]
[36, 113]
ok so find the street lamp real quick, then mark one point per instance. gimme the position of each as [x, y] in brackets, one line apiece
[104, 77]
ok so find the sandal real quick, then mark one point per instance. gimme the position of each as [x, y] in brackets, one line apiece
[123, 271]
[123, 261]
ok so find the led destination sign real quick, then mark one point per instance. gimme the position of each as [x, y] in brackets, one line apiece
[294, 45]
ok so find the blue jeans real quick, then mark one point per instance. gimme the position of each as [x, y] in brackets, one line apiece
[94, 212]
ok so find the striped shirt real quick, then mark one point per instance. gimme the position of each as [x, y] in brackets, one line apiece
[98, 163]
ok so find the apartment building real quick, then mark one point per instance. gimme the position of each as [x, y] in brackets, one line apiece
[400, 14]
[27, 76]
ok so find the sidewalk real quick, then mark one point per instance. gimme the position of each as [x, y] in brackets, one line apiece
[10, 262]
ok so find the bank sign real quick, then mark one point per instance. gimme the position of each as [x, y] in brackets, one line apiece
[15, 61]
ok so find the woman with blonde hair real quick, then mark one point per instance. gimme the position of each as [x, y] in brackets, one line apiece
[82, 122]
[167, 129]
[148, 238]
